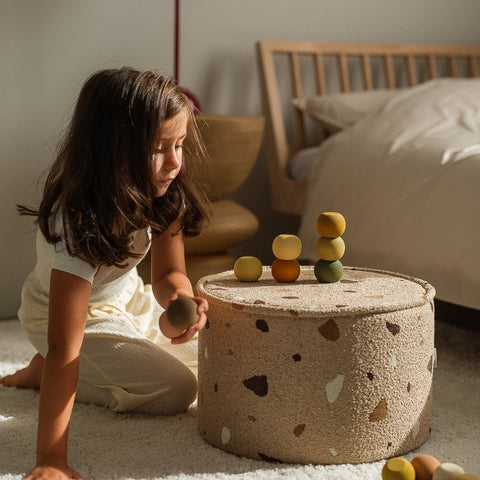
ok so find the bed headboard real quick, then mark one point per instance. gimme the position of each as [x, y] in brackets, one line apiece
[287, 68]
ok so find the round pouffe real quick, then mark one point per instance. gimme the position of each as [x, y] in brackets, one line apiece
[318, 373]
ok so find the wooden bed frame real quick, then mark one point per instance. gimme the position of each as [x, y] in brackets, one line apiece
[373, 66]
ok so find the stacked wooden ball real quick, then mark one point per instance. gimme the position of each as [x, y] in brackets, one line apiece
[330, 247]
[423, 467]
[286, 248]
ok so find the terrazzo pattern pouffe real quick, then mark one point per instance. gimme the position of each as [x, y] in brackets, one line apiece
[317, 373]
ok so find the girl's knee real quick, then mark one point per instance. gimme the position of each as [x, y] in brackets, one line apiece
[184, 393]
[180, 394]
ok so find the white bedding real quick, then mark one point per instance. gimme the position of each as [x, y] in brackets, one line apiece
[407, 180]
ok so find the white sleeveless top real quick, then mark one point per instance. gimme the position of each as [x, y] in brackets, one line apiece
[107, 281]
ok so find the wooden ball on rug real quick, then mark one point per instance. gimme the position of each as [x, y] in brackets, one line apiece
[182, 313]
[331, 224]
[424, 466]
[398, 469]
[285, 270]
[447, 471]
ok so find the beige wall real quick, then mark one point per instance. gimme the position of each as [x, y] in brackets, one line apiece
[49, 47]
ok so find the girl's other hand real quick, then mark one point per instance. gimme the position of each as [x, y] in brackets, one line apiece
[53, 473]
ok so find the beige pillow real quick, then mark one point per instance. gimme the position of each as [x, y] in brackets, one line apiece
[339, 110]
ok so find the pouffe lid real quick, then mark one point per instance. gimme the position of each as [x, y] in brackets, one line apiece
[359, 291]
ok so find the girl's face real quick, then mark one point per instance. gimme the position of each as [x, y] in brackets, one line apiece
[167, 155]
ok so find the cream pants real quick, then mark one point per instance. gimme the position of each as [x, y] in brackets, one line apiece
[125, 361]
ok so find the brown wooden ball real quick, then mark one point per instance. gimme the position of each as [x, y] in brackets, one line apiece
[182, 313]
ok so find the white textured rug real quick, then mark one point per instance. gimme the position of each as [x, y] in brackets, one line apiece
[107, 445]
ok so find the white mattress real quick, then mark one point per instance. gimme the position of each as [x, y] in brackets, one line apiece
[301, 163]
[407, 179]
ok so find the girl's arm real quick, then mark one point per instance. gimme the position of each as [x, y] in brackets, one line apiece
[169, 281]
[68, 304]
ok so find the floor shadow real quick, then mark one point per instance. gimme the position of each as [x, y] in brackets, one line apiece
[457, 315]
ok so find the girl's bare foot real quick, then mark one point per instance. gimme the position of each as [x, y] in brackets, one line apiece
[28, 377]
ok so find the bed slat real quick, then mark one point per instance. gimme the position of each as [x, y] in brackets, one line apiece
[412, 75]
[295, 74]
[343, 66]
[389, 71]
[320, 75]
[297, 93]
[432, 67]
[367, 72]
[453, 66]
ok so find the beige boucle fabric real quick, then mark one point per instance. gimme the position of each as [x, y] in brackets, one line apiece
[308, 372]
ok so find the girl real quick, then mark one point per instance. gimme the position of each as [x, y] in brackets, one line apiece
[118, 187]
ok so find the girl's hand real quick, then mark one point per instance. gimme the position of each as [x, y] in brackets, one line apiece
[53, 473]
[183, 336]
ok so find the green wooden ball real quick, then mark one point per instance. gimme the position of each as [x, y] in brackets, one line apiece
[328, 271]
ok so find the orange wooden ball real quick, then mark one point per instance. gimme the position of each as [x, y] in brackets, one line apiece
[285, 270]
[331, 224]
[424, 466]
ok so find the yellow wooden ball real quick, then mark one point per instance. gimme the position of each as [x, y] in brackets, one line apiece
[330, 248]
[248, 269]
[285, 270]
[331, 224]
[287, 247]
[398, 469]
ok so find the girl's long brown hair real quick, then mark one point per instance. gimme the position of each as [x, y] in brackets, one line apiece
[101, 183]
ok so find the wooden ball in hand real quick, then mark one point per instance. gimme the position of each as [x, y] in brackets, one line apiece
[182, 313]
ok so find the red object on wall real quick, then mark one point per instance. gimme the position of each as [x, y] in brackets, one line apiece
[191, 96]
